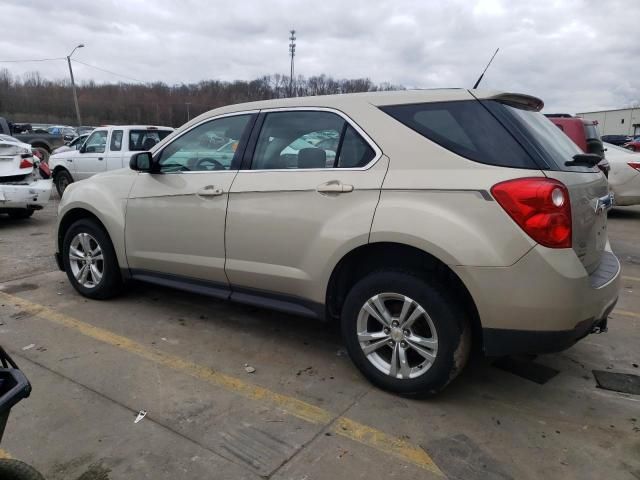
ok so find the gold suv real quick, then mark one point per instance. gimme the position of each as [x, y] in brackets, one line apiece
[424, 221]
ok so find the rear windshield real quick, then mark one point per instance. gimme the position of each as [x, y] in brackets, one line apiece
[143, 140]
[466, 128]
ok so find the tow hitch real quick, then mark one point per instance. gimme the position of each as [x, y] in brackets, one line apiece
[601, 326]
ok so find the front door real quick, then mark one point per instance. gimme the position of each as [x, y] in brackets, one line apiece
[175, 220]
[311, 189]
[91, 157]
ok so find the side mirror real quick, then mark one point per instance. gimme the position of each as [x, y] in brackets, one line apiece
[141, 162]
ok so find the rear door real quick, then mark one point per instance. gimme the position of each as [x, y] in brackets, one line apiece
[309, 189]
[114, 153]
[90, 159]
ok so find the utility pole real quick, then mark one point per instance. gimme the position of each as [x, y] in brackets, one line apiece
[73, 84]
[292, 52]
[188, 114]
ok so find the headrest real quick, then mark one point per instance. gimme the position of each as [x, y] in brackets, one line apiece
[312, 158]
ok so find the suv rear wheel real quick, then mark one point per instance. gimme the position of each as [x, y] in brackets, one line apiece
[405, 333]
[90, 260]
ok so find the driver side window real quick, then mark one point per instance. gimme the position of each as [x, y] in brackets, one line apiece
[208, 147]
[96, 142]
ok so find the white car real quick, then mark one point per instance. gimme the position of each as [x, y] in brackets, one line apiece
[106, 148]
[624, 177]
[74, 144]
[22, 190]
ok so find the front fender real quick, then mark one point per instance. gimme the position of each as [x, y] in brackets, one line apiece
[105, 197]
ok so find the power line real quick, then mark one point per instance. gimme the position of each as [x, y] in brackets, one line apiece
[32, 60]
[107, 71]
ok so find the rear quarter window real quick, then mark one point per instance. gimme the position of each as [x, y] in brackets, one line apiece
[466, 128]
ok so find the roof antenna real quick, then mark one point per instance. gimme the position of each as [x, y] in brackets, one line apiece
[485, 69]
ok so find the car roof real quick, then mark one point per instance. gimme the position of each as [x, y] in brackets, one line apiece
[378, 99]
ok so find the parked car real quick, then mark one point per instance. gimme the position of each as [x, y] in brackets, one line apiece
[584, 133]
[447, 218]
[633, 145]
[72, 145]
[624, 178]
[616, 139]
[106, 148]
[85, 129]
[22, 188]
[68, 133]
[45, 142]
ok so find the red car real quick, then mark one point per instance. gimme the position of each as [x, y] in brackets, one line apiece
[584, 134]
[633, 145]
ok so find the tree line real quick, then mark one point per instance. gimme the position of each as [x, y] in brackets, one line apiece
[34, 99]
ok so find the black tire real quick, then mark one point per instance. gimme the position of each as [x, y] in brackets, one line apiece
[62, 179]
[20, 213]
[16, 470]
[449, 318]
[111, 282]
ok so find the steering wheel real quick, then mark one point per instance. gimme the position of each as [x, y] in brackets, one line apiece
[203, 162]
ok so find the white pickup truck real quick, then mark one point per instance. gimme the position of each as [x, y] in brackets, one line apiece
[107, 148]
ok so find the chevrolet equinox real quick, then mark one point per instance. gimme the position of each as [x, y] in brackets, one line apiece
[424, 221]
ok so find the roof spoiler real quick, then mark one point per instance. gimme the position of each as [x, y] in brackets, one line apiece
[519, 100]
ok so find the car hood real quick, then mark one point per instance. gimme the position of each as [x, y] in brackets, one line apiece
[61, 158]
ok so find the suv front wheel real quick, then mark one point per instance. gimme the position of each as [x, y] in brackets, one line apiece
[405, 333]
[90, 260]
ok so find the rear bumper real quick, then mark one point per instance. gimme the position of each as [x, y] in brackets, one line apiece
[544, 302]
[34, 195]
[499, 342]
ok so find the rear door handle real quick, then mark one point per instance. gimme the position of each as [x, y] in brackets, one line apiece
[334, 186]
[209, 191]
[100, 158]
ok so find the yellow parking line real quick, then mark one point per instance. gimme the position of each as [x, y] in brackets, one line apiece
[5, 455]
[633, 279]
[626, 313]
[293, 406]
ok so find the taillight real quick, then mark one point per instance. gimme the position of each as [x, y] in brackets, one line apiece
[635, 165]
[24, 163]
[540, 206]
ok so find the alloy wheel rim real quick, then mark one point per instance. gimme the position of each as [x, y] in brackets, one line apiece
[86, 260]
[397, 335]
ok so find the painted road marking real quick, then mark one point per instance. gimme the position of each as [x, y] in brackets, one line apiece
[342, 426]
[626, 313]
[633, 279]
[5, 455]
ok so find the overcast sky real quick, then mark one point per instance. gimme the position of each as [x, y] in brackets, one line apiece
[577, 55]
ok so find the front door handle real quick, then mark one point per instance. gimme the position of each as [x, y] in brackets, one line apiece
[335, 187]
[100, 158]
[209, 191]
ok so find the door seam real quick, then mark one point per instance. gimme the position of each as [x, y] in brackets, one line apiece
[379, 197]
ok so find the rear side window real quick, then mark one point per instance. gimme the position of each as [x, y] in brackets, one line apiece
[116, 141]
[465, 128]
[354, 151]
[143, 140]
